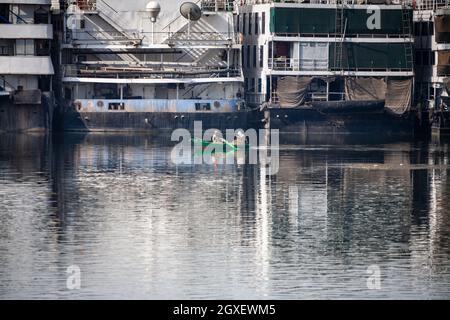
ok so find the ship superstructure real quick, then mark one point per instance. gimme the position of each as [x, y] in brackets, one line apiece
[432, 51]
[139, 65]
[26, 68]
[329, 65]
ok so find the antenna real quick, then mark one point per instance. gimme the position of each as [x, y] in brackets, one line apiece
[191, 12]
[153, 8]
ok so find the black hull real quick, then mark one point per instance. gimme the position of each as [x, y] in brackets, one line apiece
[313, 121]
[24, 117]
[152, 121]
[342, 107]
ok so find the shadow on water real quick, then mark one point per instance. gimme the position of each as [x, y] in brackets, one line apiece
[139, 226]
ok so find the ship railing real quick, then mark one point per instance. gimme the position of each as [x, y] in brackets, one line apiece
[349, 2]
[179, 38]
[78, 70]
[334, 35]
[102, 36]
[323, 96]
[314, 96]
[253, 2]
[427, 5]
[85, 5]
[217, 5]
[292, 64]
[191, 38]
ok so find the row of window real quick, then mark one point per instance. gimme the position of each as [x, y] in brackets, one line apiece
[250, 56]
[252, 23]
[24, 47]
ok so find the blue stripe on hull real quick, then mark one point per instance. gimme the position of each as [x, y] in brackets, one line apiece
[160, 105]
[152, 121]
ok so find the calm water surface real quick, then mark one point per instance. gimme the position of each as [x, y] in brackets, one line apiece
[139, 226]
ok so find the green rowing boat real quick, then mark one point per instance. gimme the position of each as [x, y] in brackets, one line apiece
[218, 145]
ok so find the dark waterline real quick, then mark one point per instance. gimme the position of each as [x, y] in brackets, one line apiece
[138, 226]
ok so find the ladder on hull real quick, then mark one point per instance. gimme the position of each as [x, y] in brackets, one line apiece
[407, 33]
[340, 26]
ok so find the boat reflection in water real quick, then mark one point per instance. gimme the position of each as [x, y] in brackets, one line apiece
[139, 226]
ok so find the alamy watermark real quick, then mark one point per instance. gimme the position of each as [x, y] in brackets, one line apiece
[374, 20]
[257, 147]
[374, 278]
[73, 281]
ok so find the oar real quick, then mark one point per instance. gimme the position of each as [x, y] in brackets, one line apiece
[229, 144]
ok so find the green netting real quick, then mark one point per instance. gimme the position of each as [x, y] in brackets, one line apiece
[323, 21]
[370, 56]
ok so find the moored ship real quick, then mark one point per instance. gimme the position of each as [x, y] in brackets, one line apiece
[432, 45]
[26, 68]
[139, 65]
[330, 66]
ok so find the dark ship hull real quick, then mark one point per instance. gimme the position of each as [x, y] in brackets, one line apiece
[25, 116]
[339, 118]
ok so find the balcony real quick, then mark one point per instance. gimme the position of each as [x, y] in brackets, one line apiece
[26, 31]
[289, 64]
[26, 65]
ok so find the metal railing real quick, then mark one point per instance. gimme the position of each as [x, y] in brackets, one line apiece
[160, 72]
[291, 64]
[85, 5]
[420, 4]
[347, 35]
[100, 36]
[323, 96]
[177, 38]
[315, 96]
[430, 4]
[217, 5]
[214, 38]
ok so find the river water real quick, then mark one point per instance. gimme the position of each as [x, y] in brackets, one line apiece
[111, 216]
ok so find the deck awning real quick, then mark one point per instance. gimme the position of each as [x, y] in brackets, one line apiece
[397, 92]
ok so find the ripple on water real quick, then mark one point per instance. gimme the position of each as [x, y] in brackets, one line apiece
[138, 226]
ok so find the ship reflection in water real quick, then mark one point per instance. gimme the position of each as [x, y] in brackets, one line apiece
[138, 226]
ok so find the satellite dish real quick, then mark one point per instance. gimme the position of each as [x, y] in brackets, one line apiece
[191, 11]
